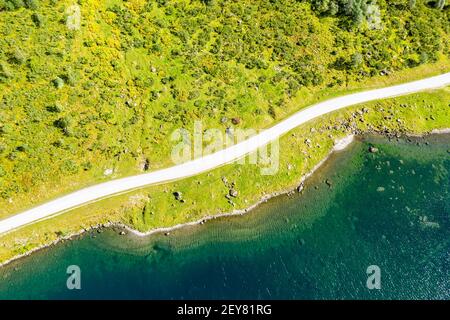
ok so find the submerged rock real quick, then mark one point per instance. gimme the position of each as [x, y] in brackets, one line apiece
[373, 149]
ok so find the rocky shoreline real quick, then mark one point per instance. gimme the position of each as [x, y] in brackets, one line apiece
[340, 144]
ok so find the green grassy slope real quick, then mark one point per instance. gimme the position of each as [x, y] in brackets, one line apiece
[78, 99]
[206, 194]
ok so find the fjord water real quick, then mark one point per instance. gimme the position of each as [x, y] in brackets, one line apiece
[390, 209]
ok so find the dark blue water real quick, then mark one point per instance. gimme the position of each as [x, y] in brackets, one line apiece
[390, 209]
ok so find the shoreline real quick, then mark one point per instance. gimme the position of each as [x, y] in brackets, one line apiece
[339, 145]
[216, 159]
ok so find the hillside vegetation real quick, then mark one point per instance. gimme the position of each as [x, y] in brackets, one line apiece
[94, 85]
[208, 193]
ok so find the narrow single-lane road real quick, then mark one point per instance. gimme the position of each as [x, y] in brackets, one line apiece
[214, 160]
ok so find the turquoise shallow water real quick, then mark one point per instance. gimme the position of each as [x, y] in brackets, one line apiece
[390, 209]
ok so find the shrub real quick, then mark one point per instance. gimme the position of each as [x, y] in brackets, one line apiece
[6, 128]
[272, 112]
[69, 166]
[424, 58]
[37, 19]
[11, 5]
[87, 166]
[154, 95]
[17, 57]
[22, 148]
[5, 72]
[56, 108]
[58, 82]
[31, 4]
[327, 7]
[357, 60]
[2, 171]
[208, 2]
[70, 78]
[58, 143]
[62, 123]
[193, 95]
[356, 10]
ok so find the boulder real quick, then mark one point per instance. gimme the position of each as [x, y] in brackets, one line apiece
[178, 195]
[235, 120]
[373, 149]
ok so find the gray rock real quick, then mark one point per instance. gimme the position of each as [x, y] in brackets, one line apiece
[373, 149]
[146, 165]
[225, 180]
[178, 195]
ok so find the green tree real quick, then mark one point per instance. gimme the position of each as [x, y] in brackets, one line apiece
[2, 171]
[31, 4]
[58, 83]
[357, 60]
[62, 123]
[37, 19]
[18, 57]
[5, 72]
